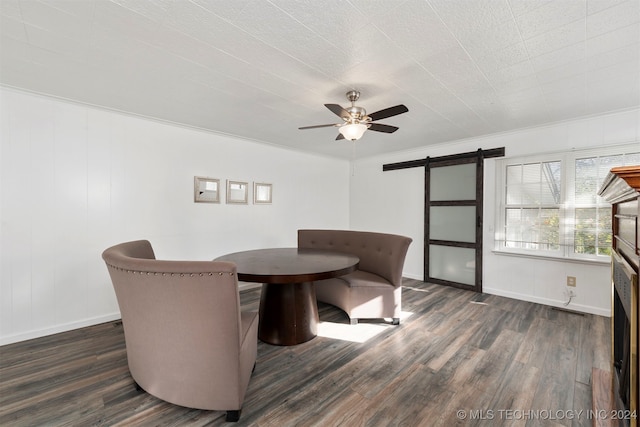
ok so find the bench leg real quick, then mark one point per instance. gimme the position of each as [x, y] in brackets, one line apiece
[232, 416]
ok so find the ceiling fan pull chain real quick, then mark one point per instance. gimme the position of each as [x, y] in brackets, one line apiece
[353, 158]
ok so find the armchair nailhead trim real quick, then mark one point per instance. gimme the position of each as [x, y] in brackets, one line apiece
[155, 273]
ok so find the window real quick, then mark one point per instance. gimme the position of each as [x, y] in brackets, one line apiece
[532, 211]
[549, 205]
[592, 215]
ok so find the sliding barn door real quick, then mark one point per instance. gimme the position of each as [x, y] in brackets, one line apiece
[453, 221]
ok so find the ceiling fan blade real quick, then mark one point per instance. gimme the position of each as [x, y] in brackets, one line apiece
[339, 137]
[388, 112]
[320, 126]
[379, 127]
[338, 111]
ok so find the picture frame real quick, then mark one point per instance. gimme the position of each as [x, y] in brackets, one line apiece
[262, 193]
[237, 192]
[206, 190]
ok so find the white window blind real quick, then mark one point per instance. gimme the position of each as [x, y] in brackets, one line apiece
[549, 204]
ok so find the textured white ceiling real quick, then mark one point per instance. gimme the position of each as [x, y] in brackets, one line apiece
[260, 69]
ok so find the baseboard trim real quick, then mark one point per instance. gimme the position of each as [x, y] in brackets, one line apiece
[65, 327]
[27, 335]
[38, 333]
[553, 303]
[606, 312]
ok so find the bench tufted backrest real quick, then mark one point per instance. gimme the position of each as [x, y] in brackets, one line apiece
[380, 253]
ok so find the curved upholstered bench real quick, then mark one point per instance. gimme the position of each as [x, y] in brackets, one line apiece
[373, 291]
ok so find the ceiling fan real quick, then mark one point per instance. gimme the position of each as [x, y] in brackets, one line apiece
[356, 121]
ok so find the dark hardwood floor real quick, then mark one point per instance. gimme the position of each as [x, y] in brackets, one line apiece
[459, 358]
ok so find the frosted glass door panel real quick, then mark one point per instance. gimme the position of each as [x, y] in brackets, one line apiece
[453, 182]
[452, 264]
[453, 218]
[454, 223]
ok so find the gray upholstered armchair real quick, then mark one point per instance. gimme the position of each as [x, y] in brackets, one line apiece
[187, 341]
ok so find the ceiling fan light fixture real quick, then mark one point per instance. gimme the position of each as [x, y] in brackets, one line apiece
[353, 131]
[355, 120]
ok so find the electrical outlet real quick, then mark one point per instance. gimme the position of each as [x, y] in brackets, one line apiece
[571, 281]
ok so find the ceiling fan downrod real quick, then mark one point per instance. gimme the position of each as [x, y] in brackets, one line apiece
[357, 113]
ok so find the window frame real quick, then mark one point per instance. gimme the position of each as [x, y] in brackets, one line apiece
[567, 205]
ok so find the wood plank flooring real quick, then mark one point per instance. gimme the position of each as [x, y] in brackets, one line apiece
[458, 358]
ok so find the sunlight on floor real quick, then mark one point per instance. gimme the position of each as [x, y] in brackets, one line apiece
[359, 333]
[416, 289]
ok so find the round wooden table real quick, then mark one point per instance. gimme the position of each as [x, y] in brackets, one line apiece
[288, 309]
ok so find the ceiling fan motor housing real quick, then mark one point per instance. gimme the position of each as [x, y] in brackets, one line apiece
[357, 113]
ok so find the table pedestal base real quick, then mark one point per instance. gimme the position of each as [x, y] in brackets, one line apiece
[288, 313]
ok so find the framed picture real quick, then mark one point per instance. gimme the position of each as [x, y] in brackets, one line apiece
[206, 190]
[237, 192]
[262, 193]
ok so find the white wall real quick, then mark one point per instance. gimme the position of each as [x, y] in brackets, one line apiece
[394, 202]
[75, 180]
